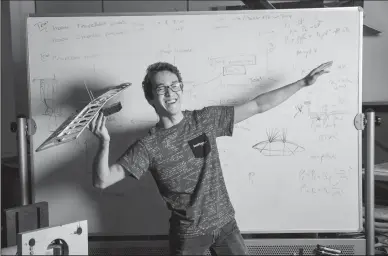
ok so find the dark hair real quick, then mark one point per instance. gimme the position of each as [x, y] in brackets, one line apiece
[152, 70]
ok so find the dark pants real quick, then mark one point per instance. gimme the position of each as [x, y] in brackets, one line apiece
[225, 241]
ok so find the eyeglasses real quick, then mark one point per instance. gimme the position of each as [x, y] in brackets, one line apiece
[175, 87]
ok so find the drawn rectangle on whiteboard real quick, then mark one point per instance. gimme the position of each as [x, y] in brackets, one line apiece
[234, 70]
[238, 59]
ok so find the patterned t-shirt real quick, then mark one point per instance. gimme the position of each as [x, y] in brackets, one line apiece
[184, 162]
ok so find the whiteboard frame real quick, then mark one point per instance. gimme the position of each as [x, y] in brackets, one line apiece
[326, 9]
[33, 15]
[360, 68]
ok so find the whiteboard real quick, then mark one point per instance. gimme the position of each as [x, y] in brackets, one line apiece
[295, 168]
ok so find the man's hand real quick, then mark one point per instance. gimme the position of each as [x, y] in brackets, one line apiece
[98, 128]
[315, 73]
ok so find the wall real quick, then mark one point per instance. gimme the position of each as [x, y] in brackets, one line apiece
[375, 73]
[58, 6]
[145, 6]
[375, 62]
[8, 142]
[381, 139]
[19, 11]
[14, 93]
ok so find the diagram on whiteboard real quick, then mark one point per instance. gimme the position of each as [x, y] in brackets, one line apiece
[277, 144]
[226, 67]
[48, 91]
[233, 64]
[48, 87]
[325, 118]
[217, 68]
[319, 119]
[251, 176]
[299, 110]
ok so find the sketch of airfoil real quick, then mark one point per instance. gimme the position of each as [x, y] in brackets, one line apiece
[277, 145]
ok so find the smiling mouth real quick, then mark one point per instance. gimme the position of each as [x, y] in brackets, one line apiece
[172, 101]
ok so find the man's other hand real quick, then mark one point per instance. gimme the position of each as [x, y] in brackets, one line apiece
[317, 72]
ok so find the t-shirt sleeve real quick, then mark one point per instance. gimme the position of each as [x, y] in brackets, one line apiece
[135, 160]
[221, 118]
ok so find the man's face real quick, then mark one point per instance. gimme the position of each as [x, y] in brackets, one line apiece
[167, 100]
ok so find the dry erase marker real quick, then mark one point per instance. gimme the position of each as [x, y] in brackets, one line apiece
[328, 249]
[327, 253]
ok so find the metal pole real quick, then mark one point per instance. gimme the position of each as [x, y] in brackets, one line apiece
[23, 161]
[370, 183]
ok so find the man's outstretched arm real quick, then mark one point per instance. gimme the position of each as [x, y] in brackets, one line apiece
[271, 99]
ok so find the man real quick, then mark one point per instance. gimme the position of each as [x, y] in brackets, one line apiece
[181, 153]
